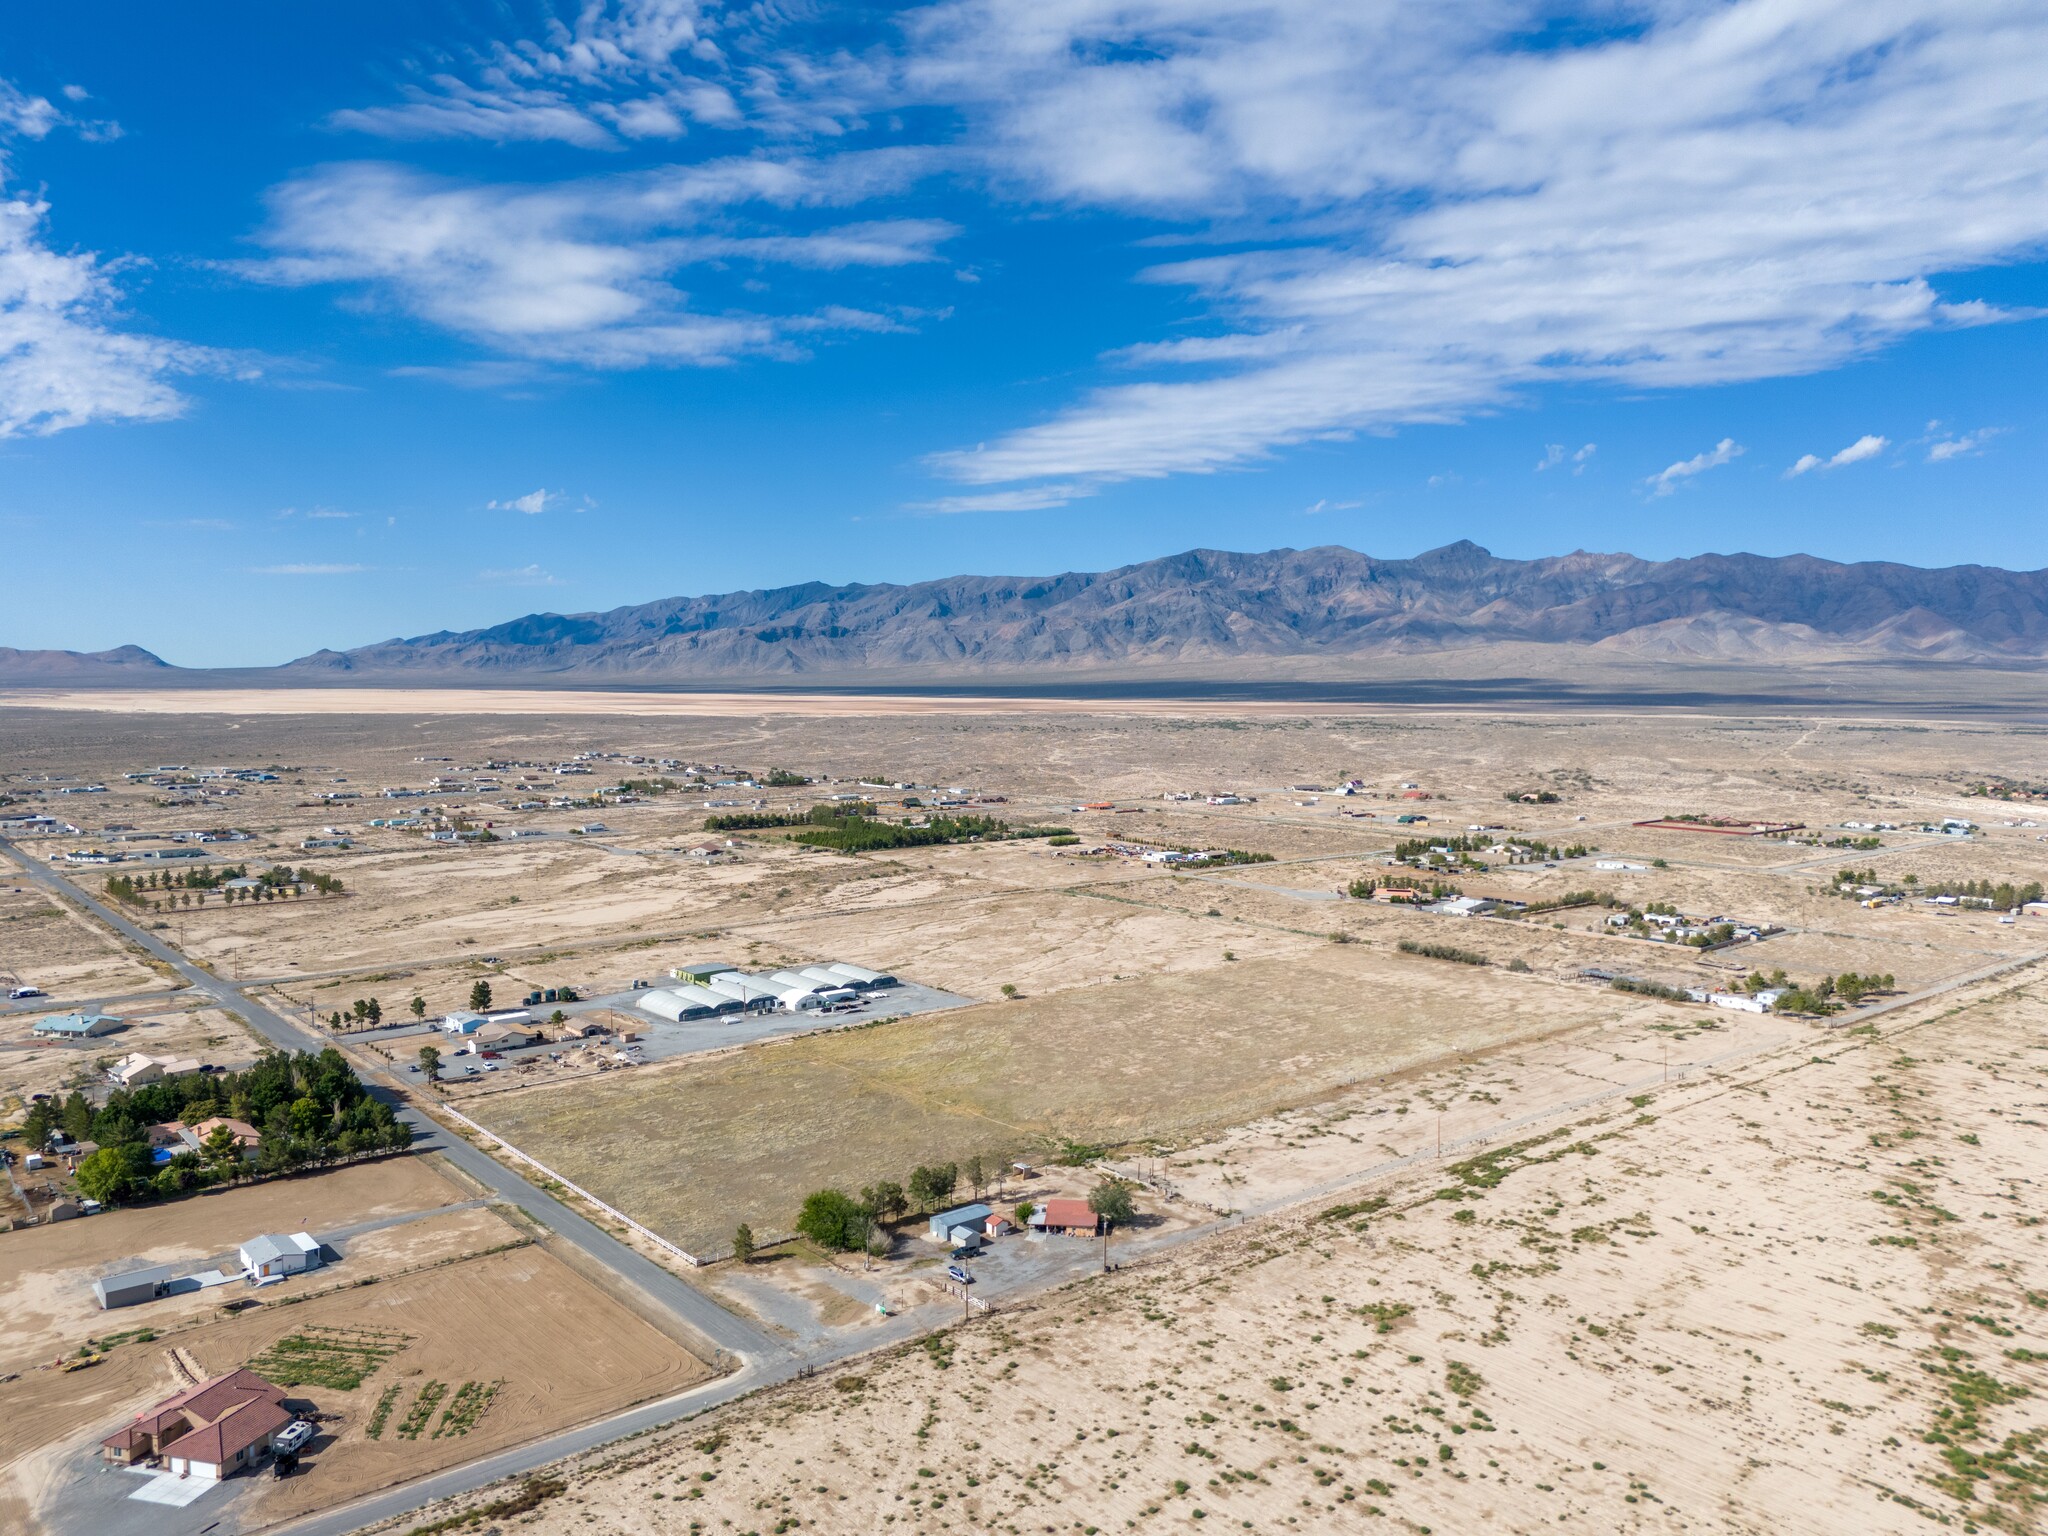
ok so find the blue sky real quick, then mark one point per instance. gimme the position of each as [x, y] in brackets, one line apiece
[324, 323]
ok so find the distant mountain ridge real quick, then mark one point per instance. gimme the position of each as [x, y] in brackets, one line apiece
[1215, 608]
[70, 666]
[1207, 613]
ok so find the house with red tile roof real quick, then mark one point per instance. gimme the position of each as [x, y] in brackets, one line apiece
[1072, 1217]
[209, 1432]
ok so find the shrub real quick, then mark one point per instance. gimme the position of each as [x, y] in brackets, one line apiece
[1448, 952]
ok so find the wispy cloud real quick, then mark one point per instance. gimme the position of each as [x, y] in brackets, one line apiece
[1963, 445]
[1037, 498]
[308, 569]
[626, 71]
[1554, 455]
[523, 576]
[1868, 446]
[1671, 476]
[587, 272]
[1420, 218]
[532, 503]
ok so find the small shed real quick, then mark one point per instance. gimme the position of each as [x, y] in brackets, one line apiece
[130, 1287]
[973, 1216]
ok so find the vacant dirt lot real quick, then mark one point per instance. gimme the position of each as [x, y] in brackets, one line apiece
[48, 945]
[1803, 1295]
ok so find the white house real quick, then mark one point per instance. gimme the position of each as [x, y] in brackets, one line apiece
[462, 1023]
[276, 1253]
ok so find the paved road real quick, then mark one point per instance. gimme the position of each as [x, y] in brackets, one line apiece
[722, 1328]
[765, 1360]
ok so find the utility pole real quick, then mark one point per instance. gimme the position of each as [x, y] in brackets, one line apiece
[1439, 1133]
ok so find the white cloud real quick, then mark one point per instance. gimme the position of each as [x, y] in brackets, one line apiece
[1962, 446]
[1421, 217]
[531, 503]
[584, 272]
[1868, 446]
[1035, 498]
[1554, 455]
[308, 569]
[624, 70]
[524, 576]
[64, 359]
[1669, 478]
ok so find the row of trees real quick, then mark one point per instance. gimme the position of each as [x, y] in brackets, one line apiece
[189, 887]
[307, 1109]
[2005, 894]
[368, 1012]
[859, 834]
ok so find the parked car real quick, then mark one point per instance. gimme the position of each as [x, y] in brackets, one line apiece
[959, 1272]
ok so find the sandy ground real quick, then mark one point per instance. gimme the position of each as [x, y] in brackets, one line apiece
[1163, 1012]
[460, 1298]
[29, 1064]
[46, 1272]
[1803, 1294]
[52, 946]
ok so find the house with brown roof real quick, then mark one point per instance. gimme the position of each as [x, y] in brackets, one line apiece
[1069, 1217]
[247, 1137]
[209, 1432]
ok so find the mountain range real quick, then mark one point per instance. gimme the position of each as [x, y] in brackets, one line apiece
[1211, 612]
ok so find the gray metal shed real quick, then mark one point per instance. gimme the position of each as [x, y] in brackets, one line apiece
[130, 1287]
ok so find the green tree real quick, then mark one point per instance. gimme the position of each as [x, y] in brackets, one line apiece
[977, 1175]
[480, 997]
[77, 1117]
[37, 1125]
[1111, 1201]
[374, 1012]
[931, 1187]
[743, 1244]
[418, 1006]
[430, 1060]
[112, 1173]
[835, 1220]
[885, 1200]
[1024, 1213]
[220, 1149]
